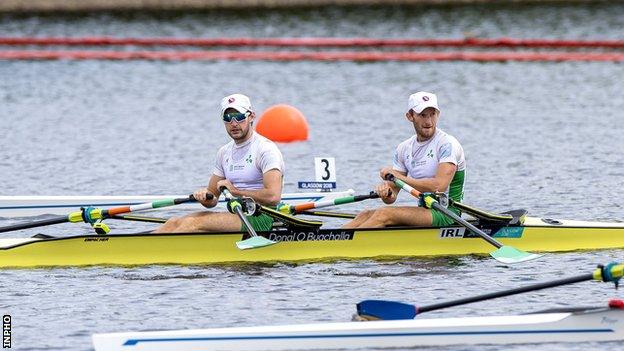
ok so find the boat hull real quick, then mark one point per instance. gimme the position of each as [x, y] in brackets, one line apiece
[591, 325]
[304, 245]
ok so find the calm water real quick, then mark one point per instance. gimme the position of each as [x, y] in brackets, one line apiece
[542, 136]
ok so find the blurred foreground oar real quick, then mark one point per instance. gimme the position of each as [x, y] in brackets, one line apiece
[380, 309]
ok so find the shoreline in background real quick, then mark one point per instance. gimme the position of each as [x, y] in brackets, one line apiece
[50, 6]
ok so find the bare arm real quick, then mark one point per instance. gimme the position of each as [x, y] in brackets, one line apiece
[439, 182]
[388, 191]
[269, 195]
[200, 194]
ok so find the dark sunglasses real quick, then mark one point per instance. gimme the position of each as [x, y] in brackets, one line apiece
[237, 116]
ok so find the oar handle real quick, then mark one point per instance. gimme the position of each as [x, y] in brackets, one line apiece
[191, 198]
[401, 184]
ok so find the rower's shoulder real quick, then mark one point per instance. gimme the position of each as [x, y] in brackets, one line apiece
[446, 137]
[265, 142]
[407, 143]
[225, 147]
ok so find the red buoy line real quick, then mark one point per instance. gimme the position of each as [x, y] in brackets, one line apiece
[363, 56]
[311, 42]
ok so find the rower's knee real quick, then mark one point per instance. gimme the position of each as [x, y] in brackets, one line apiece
[175, 224]
[365, 214]
[382, 216]
[173, 221]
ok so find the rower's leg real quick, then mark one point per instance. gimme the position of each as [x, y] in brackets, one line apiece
[359, 219]
[201, 222]
[399, 215]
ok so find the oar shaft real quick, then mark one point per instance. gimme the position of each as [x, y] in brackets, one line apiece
[96, 213]
[535, 287]
[238, 208]
[403, 185]
[41, 223]
[149, 205]
[329, 214]
[327, 203]
[436, 205]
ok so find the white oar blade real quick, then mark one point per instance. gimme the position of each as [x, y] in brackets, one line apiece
[509, 254]
[254, 242]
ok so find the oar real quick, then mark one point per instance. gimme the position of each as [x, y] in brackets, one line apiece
[380, 309]
[255, 241]
[91, 215]
[300, 208]
[503, 253]
[135, 218]
[329, 214]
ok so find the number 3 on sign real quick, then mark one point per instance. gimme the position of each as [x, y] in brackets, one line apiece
[325, 168]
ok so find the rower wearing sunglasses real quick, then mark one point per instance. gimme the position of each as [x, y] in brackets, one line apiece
[248, 166]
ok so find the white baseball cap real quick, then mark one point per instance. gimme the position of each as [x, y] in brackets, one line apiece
[239, 102]
[421, 100]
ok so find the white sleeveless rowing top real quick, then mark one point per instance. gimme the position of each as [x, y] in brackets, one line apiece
[245, 164]
[421, 160]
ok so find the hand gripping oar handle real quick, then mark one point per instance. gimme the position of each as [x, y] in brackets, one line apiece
[432, 203]
[235, 206]
[505, 254]
[380, 309]
[401, 184]
[255, 241]
[92, 214]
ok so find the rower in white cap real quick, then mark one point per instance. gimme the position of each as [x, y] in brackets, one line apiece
[429, 161]
[248, 166]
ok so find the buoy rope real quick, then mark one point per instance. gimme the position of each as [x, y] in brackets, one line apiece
[308, 56]
[312, 42]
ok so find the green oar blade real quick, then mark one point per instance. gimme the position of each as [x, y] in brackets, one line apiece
[509, 254]
[254, 242]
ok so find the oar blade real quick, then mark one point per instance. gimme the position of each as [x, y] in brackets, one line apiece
[254, 242]
[386, 310]
[509, 254]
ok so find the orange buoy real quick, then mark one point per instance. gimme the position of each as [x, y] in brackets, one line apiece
[283, 123]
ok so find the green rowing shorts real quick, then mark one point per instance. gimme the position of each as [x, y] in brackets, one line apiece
[261, 223]
[442, 220]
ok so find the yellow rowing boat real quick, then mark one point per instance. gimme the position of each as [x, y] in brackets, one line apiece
[308, 244]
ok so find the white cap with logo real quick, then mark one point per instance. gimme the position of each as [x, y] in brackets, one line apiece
[239, 102]
[421, 100]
